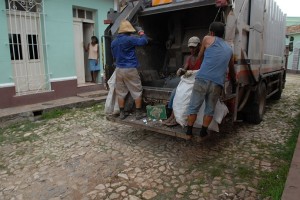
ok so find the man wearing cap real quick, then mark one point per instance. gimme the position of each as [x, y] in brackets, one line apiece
[217, 55]
[127, 77]
[193, 62]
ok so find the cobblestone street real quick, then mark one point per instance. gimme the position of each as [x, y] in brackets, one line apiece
[81, 155]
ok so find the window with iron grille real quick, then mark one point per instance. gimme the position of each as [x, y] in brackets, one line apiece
[32, 42]
[15, 46]
[24, 5]
[26, 39]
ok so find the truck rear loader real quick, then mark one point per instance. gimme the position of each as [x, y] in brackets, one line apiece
[255, 29]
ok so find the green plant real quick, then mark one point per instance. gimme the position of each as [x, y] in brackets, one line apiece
[272, 183]
[245, 172]
[215, 171]
[166, 195]
[54, 113]
[2, 137]
[2, 167]
[19, 137]
[97, 107]
[25, 126]
[15, 133]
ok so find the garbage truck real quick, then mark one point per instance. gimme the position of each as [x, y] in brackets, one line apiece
[255, 29]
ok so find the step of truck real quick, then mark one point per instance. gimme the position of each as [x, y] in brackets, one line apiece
[157, 126]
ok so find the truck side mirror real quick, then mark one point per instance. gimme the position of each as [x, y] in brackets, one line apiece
[291, 43]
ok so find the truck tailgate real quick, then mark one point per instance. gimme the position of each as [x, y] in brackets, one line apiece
[155, 126]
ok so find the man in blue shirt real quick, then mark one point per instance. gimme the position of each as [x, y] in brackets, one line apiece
[127, 77]
[217, 55]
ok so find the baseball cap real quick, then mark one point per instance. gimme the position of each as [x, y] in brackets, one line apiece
[193, 41]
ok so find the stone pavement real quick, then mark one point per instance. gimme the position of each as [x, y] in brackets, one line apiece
[81, 155]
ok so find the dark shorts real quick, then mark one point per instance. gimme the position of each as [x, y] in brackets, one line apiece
[207, 91]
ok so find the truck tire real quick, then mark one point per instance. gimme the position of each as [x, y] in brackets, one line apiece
[258, 107]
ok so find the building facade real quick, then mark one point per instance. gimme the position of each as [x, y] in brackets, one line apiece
[41, 47]
[293, 33]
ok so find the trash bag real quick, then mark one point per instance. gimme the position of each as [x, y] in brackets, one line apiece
[111, 103]
[182, 100]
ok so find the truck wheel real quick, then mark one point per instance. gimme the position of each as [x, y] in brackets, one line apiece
[257, 108]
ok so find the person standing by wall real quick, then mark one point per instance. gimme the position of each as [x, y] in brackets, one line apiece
[217, 55]
[93, 58]
[127, 76]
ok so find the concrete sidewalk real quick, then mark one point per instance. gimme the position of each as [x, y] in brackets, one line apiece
[10, 115]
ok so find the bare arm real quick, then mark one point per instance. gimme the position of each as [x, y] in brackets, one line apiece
[86, 48]
[97, 54]
[202, 49]
[186, 64]
[207, 41]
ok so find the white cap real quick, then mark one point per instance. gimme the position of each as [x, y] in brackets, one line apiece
[193, 41]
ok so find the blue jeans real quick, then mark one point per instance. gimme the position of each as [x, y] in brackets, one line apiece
[204, 90]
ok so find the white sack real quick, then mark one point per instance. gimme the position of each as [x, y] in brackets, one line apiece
[182, 100]
[111, 103]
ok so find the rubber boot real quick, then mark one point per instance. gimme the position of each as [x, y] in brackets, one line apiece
[122, 114]
[189, 132]
[203, 131]
[139, 114]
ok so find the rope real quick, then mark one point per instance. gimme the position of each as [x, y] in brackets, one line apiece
[217, 14]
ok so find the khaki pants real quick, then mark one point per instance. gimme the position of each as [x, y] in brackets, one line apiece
[128, 80]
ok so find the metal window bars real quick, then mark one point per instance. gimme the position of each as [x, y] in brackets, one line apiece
[27, 36]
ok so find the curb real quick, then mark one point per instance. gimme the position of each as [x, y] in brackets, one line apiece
[32, 112]
[292, 185]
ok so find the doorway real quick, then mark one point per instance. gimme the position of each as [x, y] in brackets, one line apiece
[88, 32]
[84, 29]
[79, 52]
